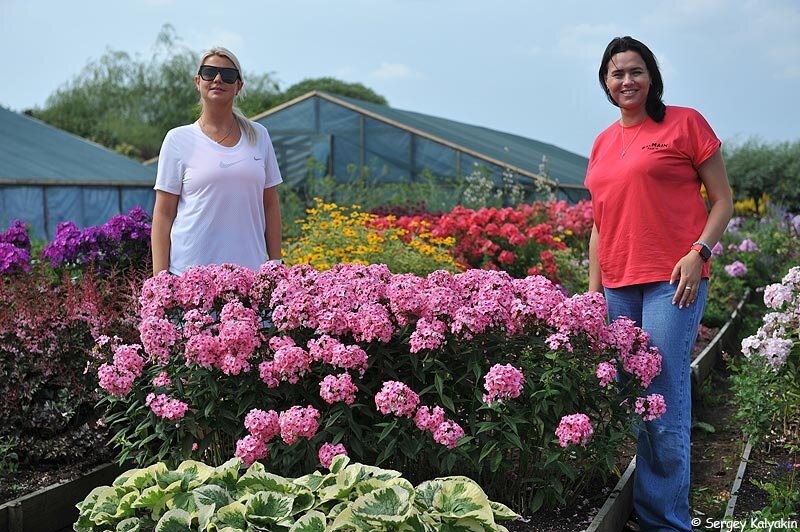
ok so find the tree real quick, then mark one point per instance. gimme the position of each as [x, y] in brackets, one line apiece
[333, 86]
[756, 168]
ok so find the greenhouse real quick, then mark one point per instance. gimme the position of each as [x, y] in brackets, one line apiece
[48, 175]
[346, 135]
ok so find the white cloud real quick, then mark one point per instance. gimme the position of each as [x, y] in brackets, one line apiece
[394, 71]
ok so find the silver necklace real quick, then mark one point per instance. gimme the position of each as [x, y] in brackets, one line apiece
[223, 138]
[624, 147]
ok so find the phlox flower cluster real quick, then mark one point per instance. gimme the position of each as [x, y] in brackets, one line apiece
[335, 388]
[445, 432]
[575, 429]
[736, 269]
[15, 248]
[333, 352]
[650, 407]
[298, 422]
[289, 363]
[164, 406]
[123, 238]
[502, 382]
[117, 378]
[748, 246]
[780, 330]
[328, 451]
[163, 380]
[606, 373]
[263, 427]
[396, 398]
[631, 346]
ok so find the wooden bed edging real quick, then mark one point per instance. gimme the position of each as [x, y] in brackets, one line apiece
[618, 506]
[737, 482]
[53, 508]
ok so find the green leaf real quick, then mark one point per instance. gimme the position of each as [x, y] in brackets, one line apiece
[154, 499]
[702, 425]
[211, 494]
[460, 498]
[131, 524]
[232, 515]
[502, 512]
[387, 430]
[267, 508]
[391, 504]
[462, 525]
[174, 521]
[338, 463]
[311, 522]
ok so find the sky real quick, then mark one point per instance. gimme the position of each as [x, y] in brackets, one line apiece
[523, 67]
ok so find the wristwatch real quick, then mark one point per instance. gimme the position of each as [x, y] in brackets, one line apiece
[703, 249]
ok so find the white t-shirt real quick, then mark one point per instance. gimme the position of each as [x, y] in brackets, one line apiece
[220, 216]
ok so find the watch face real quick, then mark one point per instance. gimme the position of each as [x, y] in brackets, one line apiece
[705, 252]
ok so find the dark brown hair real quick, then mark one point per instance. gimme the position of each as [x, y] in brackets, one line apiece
[654, 107]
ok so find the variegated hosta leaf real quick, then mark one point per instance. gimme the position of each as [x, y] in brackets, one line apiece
[425, 492]
[391, 504]
[154, 499]
[463, 525]
[89, 501]
[502, 512]
[254, 480]
[227, 474]
[125, 506]
[268, 508]
[368, 485]
[169, 478]
[313, 481]
[195, 473]
[131, 524]
[141, 478]
[232, 515]
[458, 499]
[338, 463]
[347, 521]
[105, 507]
[174, 521]
[304, 500]
[311, 522]
[212, 494]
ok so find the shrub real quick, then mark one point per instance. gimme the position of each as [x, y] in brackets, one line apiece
[278, 352]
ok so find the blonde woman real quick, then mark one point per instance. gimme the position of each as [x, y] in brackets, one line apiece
[216, 186]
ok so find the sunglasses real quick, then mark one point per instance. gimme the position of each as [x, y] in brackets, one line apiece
[228, 75]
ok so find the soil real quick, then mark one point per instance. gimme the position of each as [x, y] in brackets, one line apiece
[768, 463]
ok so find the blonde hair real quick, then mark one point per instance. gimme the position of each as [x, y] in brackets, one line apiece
[244, 123]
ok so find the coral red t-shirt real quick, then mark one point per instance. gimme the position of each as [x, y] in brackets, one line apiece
[647, 204]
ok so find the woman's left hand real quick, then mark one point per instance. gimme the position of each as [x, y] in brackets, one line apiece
[687, 272]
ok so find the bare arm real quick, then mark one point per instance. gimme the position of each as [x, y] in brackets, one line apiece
[164, 213]
[272, 216]
[595, 277]
[689, 269]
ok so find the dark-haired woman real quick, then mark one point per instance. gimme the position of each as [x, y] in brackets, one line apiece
[216, 195]
[649, 253]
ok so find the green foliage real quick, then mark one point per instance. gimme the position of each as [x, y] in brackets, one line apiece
[756, 168]
[350, 497]
[332, 86]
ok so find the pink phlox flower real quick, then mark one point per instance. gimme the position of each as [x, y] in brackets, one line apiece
[203, 349]
[265, 281]
[396, 398]
[650, 408]
[583, 313]
[502, 382]
[157, 295]
[331, 351]
[262, 424]
[407, 297]
[748, 246]
[448, 433]
[371, 322]
[250, 449]
[776, 295]
[291, 363]
[429, 419]
[165, 407]
[335, 388]
[606, 373]
[558, 341]
[428, 334]
[127, 357]
[298, 422]
[232, 281]
[575, 429]
[717, 249]
[645, 365]
[115, 380]
[328, 451]
[537, 298]
[196, 289]
[736, 269]
[195, 321]
[158, 335]
[162, 380]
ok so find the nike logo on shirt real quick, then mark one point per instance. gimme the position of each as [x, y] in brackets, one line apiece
[228, 165]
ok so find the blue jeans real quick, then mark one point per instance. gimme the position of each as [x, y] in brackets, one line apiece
[663, 453]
